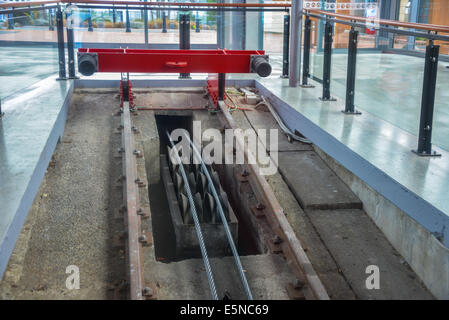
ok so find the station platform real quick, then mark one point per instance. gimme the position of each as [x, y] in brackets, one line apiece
[404, 194]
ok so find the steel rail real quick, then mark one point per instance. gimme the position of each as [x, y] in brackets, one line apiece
[25, 4]
[170, 108]
[294, 252]
[410, 25]
[28, 9]
[131, 199]
[210, 276]
[224, 221]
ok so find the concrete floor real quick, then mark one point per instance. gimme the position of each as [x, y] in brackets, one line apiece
[72, 220]
[267, 275]
[340, 238]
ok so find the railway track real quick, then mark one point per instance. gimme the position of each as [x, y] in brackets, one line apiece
[307, 285]
[131, 200]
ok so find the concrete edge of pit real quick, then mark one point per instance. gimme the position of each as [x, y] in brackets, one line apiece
[55, 134]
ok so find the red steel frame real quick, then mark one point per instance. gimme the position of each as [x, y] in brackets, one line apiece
[174, 61]
[212, 87]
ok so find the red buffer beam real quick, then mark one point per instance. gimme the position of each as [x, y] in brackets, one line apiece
[173, 61]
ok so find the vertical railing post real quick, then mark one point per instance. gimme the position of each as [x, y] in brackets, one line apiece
[197, 23]
[350, 77]
[51, 26]
[164, 22]
[11, 21]
[89, 22]
[184, 38]
[181, 31]
[70, 44]
[145, 22]
[328, 33]
[221, 86]
[306, 55]
[285, 47]
[61, 53]
[128, 24]
[428, 101]
[1, 112]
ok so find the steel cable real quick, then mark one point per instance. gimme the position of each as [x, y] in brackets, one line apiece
[210, 276]
[224, 221]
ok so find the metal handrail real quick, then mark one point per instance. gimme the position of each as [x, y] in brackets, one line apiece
[161, 4]
[26, 4]
[410, 25]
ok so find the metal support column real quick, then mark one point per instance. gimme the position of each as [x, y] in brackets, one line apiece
[61, 53]
[181, 31]
[221, 86]
[306, 58]
[295, 42]
[51, 26]
[197, 23]
[428, 101]
[70, 47]
[285, 47]
[328, 33]
[184, 38]
[164, 22]
[128, 24]
[114, 17]
[1, 112]
[89, 22]
[145, 23]
[350, 77]
[11, 21]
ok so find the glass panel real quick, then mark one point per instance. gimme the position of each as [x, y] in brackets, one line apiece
[273, 39]
[339, 60]
[390, 87]
[316, 49]
[107, 26]
[25, 38]
[206, 31]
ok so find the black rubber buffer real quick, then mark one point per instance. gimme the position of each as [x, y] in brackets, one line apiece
[87, 64]
[261, 66]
